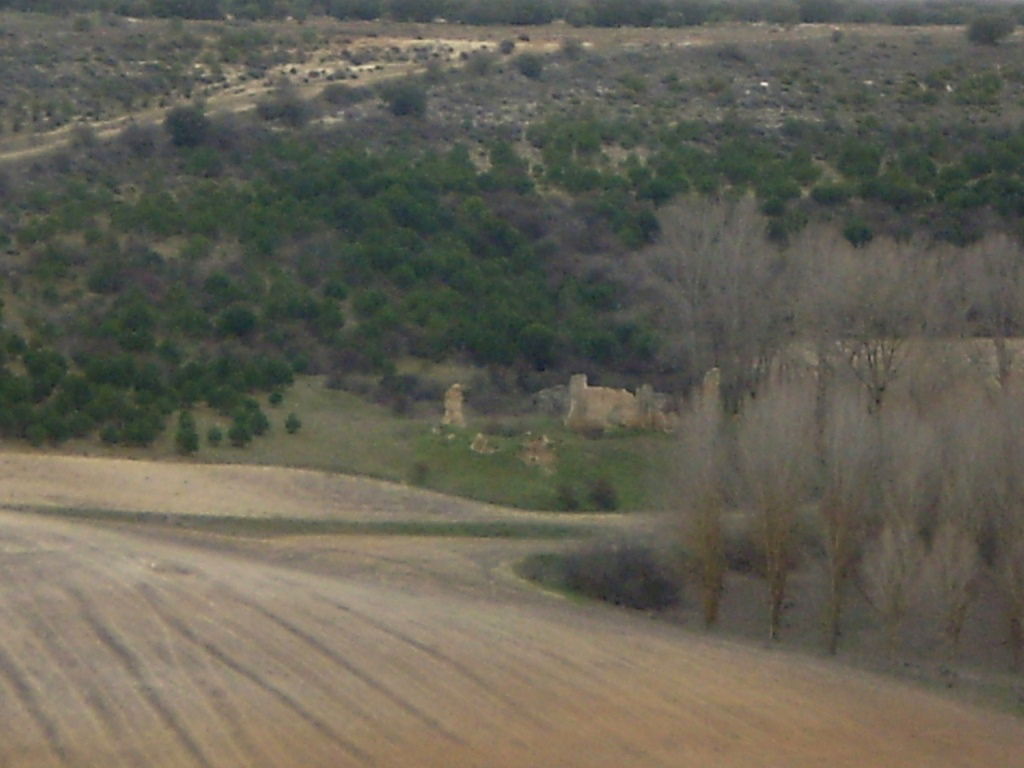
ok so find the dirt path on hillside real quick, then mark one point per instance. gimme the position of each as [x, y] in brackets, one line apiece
[245, 96]
[121, 649]
[242, 98]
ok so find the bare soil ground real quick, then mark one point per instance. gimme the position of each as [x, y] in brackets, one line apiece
[150, 648]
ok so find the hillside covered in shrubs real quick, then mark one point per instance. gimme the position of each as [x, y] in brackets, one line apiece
[527, 212]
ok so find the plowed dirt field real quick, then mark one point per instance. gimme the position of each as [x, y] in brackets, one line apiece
[125, 647]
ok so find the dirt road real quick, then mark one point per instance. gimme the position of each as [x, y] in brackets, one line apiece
[120, 649]
[457, 39]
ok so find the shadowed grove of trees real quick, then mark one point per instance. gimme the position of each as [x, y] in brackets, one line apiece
[724, 295]
[871, 418]
[914, 507]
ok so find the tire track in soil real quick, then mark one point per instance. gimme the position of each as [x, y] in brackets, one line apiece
[404, 704]
[567, 689]
[27, 696]
[646, 697]
[136, 671]
[232, 621]
[289, 701]
[505, 667]
[438, 656]
[216, 701]
[57, 644]
[158, 606]
[63, 658]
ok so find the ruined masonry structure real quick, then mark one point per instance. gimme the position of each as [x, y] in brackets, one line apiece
[453, 416]
[604, 407]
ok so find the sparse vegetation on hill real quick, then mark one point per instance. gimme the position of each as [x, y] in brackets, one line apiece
[601, 13]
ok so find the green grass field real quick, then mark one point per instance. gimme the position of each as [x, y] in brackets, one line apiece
[342, 432]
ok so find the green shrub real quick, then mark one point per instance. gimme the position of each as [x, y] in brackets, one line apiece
[405, 99]
[344, 95]
[292, 424]
[214, 436]
[420, 473]
[530, 65]
[622, 573]
[480, 63]
[602, 494]
[187, 126]
[858, 232]
[186, 439]
[566, 499]
[236, 320]
[859, 159]
[239, 433]
[831, 194]
[415, 10]
[990, 29]
[287, 106]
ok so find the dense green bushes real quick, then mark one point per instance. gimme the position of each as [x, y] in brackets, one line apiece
[125, 398]
[990, 28]
[924, 171]
[201, 290]
[405, 98]
[623, 573]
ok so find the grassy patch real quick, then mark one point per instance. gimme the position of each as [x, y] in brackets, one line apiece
[342, 432]
[266, 527]
[627, 463]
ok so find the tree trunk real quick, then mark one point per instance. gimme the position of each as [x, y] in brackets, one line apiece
[893, 625]
[833, 611]
[823, 375]
[713, 588]
[1004, 362]
[777, 594]
[954, 629]
[1016, 639]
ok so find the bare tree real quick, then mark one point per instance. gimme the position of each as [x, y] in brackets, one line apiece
[891, 567]
[860, 305]
[953, 567]
[1005, 500]
[720, 287]
[849, 464]
[775, 447]
[952, 571]
[1010, 574]
[890, 570]
[700, 493]
[992, 273]
[996, 456]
